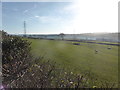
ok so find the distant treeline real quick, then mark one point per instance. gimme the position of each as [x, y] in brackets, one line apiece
[110, 37]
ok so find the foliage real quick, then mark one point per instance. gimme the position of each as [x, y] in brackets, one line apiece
[15, 57]
[46, 75]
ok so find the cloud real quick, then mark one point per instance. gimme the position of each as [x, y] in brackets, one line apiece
[37, 16]
[25, 11]
[47, 19]
[28, 10]
[88, 16]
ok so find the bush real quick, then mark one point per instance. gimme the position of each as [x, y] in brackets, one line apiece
[47, 75]
[15, 58]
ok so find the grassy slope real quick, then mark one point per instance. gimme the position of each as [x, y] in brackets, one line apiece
[80, 58]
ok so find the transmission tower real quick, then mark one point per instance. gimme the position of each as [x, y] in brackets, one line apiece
[24, 28]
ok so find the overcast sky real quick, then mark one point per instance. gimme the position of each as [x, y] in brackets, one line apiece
[80, 16]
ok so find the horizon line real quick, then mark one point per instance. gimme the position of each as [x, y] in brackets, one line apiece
[64, 33]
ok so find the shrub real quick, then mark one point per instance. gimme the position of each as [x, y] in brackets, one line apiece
[47, 75]
[15, 58]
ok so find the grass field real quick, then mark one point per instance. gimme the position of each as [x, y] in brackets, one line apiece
[102, 65]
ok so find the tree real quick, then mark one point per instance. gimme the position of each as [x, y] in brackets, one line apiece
[3, 34]
[62, 35]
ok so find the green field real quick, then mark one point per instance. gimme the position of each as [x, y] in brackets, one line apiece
[80, 58]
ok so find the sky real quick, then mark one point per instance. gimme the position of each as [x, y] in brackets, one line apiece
[78, 16]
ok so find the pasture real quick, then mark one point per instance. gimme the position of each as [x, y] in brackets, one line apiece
[82, 58]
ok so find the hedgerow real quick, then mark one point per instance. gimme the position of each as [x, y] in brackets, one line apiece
[15, 57]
